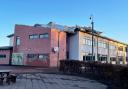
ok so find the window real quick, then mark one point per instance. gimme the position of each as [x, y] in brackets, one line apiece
[34, 36]
[102, 57]
[83, 41]
[120, 58]
[112, 46]
[112, 58]
[126, 49]
[17, 40]
[88, 41]
[2, 56]
[38, 56]
[44, 35]
[89, 57]
[120, 48]
[33, 56]
[31, 37]
[126, 59]
[43, 56]
[102, 44]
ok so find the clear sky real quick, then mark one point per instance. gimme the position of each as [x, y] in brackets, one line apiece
[110, 16]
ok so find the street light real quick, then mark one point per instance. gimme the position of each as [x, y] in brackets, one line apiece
[92, 23]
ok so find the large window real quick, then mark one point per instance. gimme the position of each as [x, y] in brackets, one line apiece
[34, 36]
[88, 57]
[38, 36]
[2, 56]
[84, 41]
[43, 56]
[102, 57]
[120, 48]
[102, 44]
[126, 49]
[88, 41]
[126, 59]
[38, 56]
[17, 40]
[43, 35]
[120, 59]
[33, 56]
[111, 46]
[112, 58]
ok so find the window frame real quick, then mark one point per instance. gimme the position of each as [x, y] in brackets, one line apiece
[34, 36]
[44, 35]
[18, 41]
[3, 56]
[37, 56]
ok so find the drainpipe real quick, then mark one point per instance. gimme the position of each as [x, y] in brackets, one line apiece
[58, 49]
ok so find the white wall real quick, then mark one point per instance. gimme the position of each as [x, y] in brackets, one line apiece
[73, 47]
[85, 49]
[11, 41]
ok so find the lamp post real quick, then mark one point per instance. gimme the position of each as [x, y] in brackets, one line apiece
[92, 28]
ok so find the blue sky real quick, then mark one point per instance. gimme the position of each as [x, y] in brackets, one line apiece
[110, 16]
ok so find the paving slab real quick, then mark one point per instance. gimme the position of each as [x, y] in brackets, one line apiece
[53, 81]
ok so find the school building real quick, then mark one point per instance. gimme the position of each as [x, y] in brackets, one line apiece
[44, 45]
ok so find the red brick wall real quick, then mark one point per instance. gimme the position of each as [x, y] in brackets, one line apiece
[28, 46]
[62, 47]
[8, 56]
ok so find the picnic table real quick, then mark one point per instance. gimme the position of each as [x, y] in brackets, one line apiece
[5, 75]
[3, 72]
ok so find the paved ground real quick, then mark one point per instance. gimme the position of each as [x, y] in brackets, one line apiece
[52, 81]
[35, 78]
[23, 69]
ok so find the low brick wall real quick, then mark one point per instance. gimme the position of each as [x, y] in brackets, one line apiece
[117, 74]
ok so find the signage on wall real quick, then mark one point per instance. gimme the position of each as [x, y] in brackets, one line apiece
[55, 49]
[17, 59]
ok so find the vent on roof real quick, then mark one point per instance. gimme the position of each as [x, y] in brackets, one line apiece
[51, 23]
[37, 25]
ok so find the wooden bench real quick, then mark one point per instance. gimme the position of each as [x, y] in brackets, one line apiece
[11, 78]
[1, 80]
[8, 79]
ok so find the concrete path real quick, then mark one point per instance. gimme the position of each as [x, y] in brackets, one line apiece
[52, 81]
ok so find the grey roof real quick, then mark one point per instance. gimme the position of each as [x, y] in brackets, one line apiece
[87, 29]
[6, 48]
[57, 26]
[10, 35]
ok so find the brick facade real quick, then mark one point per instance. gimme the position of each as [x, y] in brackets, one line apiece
[5, 55]
[40, 46]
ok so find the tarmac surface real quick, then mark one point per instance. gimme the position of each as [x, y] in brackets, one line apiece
[43, 78]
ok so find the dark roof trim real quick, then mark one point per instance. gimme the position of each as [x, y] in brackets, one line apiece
[10, 35]
[6, 48]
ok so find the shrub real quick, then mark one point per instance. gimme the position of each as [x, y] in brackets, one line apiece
[117, 74]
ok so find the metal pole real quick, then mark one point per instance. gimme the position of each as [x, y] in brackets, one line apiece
[92, 23]
[97, 49]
